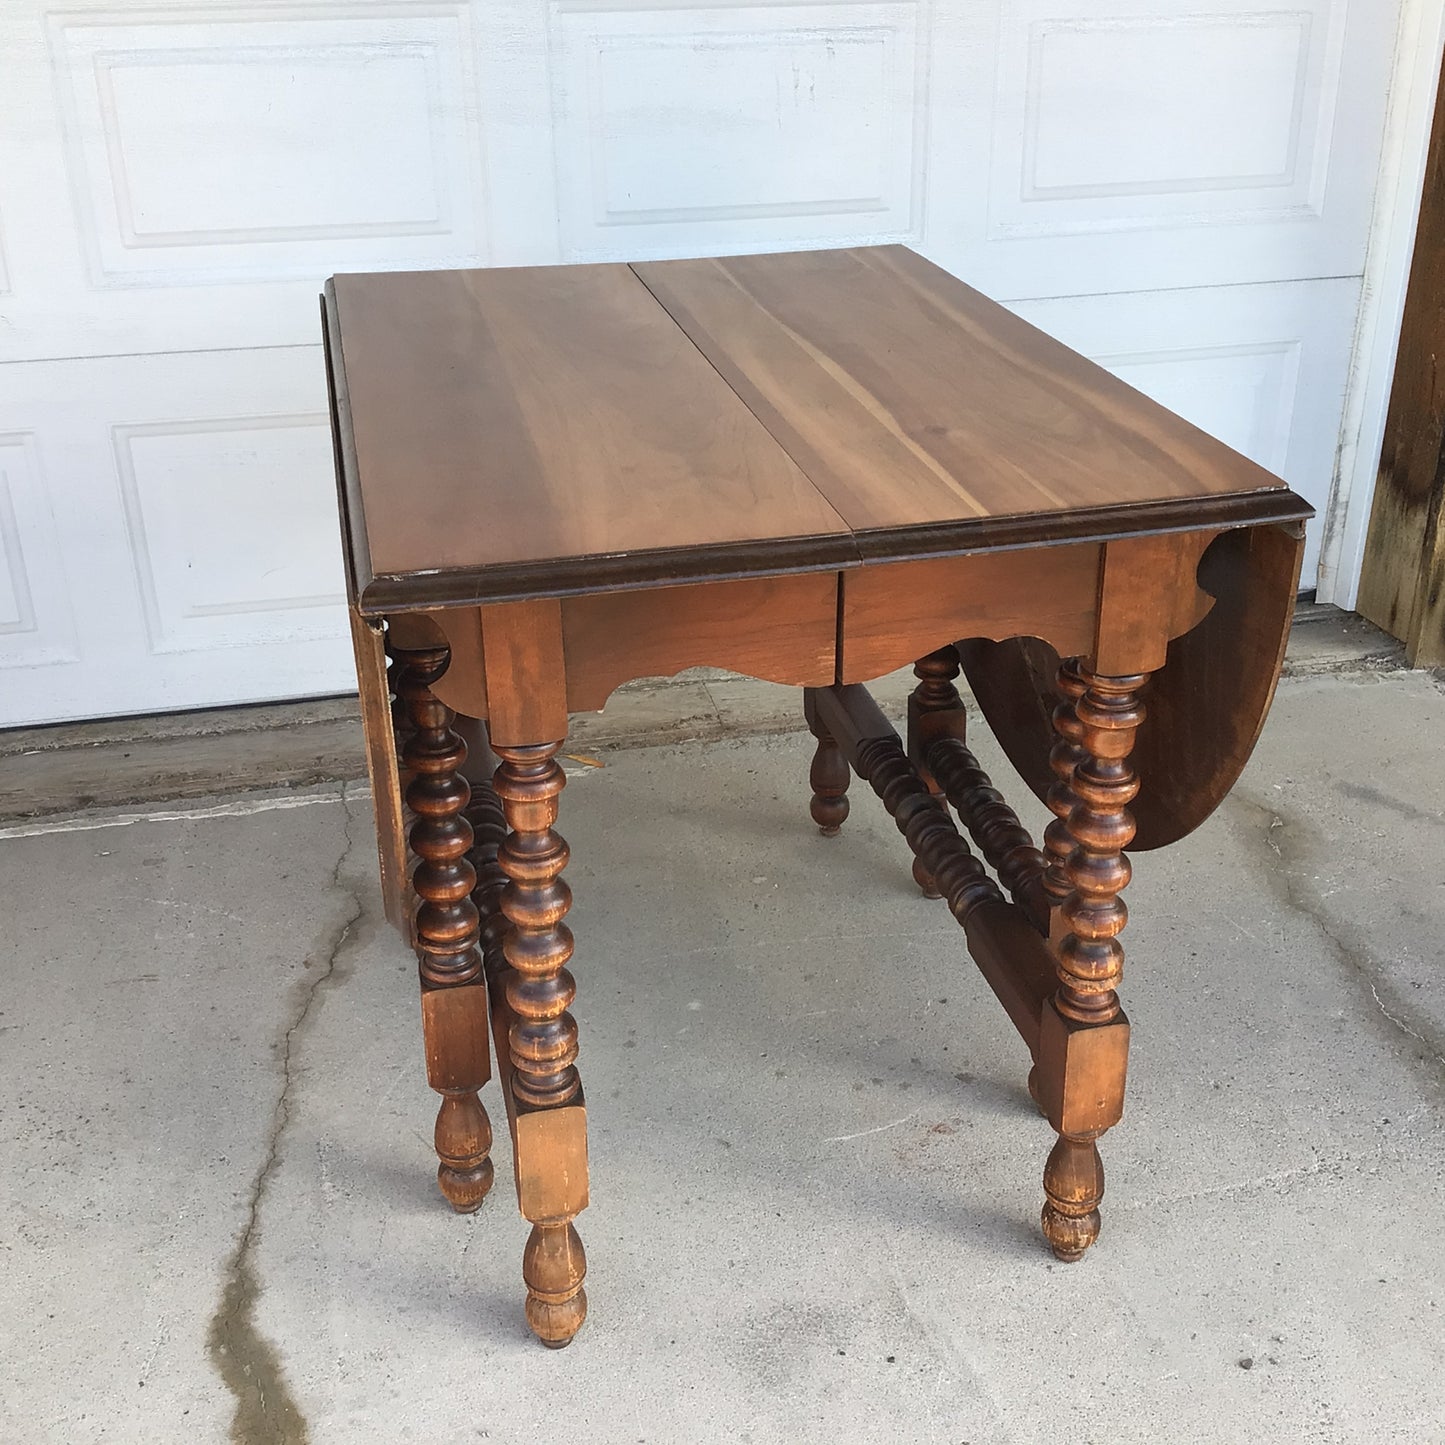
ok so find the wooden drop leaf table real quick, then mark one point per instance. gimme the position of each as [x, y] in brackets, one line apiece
[813, 468]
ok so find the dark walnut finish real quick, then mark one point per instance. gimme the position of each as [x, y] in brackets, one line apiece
[814, 468]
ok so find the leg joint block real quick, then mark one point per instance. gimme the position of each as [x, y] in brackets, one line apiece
[1082, 1070]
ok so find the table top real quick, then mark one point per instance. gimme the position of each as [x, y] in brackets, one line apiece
[546, 430]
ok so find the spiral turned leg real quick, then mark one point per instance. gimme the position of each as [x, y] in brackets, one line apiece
[453, 992]
[1064, 757]
[1084, 1036]
[935, 710]
[829, 775]
[489, 831]
[550, 1117]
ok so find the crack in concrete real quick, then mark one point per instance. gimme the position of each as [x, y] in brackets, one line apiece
[1367, 793]
[1397, 1150]
[249, 1364]
[1279, 1179]
[1288, 880]
[1400, 1023]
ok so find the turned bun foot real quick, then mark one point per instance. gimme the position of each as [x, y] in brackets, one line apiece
[554, 1266]
[927, 884]
[464, 1145]
[465, 1191]
[1069, 1236]
[1074, 1185]
[829, 776]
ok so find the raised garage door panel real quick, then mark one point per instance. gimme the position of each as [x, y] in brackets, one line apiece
[190, 174]
[1137, 144]
[37, 627]
[190, 557]
[1261, 367]
[702, 129]
[177, 179]
[1035, 147]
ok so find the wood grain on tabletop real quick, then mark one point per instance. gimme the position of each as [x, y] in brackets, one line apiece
[521, 415]
[909, 398]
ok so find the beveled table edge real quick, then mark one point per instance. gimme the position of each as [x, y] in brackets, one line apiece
[355, 545]
[1087, 524]
[679, 567]
[606, 572]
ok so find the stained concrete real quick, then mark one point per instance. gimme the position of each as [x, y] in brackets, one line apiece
[815, 1171]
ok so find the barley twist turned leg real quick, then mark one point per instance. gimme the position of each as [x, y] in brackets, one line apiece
[550, 1121]
[453, 992]
[1084, 1036]
[935, 710]
[489, 831]
[1064, 757]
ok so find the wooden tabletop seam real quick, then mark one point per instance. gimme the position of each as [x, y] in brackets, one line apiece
[539, 431]
[889, 423]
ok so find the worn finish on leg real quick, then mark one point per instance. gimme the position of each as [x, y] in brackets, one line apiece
[1084, 1036]
[1073, 1187]
[453, 992]
[549, 1115]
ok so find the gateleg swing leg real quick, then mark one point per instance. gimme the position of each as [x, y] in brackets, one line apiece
[446, 929]
[545, 1101]
[1084, 1035]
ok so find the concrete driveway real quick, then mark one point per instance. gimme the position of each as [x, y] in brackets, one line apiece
[816, 1174]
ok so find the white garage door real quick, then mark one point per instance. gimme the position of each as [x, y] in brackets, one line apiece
[1180, 188]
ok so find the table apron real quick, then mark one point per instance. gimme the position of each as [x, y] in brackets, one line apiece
[533, 661]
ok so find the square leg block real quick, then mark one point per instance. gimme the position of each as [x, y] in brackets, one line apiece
[454, 1030]
[551, 1158]
[1082, 1070]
